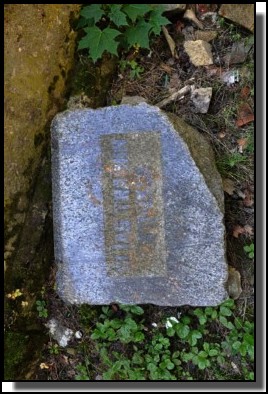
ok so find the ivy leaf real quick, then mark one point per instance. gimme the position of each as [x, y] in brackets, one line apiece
[157, 20]
[139, 34]
[92, 11]
[117, 16]
[135, 10]
[98, 41]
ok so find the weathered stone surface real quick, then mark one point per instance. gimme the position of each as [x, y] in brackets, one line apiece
[201, 99]
[242, 14]
[205, 35]
[199, 52]
[138, 209]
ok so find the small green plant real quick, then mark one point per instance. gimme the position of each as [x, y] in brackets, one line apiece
[82, 372]
[132, 65]
[183, 348]
[249, 249]
[54, 349]
[41, 308]
[110, 26]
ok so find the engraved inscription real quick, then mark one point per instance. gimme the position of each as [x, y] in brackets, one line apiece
[133, 206]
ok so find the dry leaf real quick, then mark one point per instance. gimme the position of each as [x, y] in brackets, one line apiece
[248, 229]
[237, 231]
[242, 144]
[245, 115]
[248, 201]
[245, 92]
[179, 26]
[228, 186]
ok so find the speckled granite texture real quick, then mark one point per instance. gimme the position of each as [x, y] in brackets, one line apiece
[138, 209]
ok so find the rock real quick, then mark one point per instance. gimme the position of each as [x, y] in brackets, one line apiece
[238, 54]
[201, 99]
[133, 100]
[138, 209]
[58, 332]
[206, 35]
[234, 283]
[199, 52]
[242, 14]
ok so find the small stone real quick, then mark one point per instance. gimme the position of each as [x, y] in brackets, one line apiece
[133, 100]
[237, 55]
[205, 35]
[199, 52]
[242, 14]
[201, 99]
[234, 283]
[78, 334]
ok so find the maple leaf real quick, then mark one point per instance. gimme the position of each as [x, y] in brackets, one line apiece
[92, 11]
[117, 16]
[139, 34]
[135, 10]
[157, 20]
[98, 41]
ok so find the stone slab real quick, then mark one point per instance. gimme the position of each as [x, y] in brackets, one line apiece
[138, 209]
[242, 14]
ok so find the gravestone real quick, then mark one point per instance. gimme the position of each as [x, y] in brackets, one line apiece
[138, 209]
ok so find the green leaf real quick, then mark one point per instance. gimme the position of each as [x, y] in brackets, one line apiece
[213, 352]
[138, 336]
[226, 323]
[136, 310]
[225, 311]
[202, 320]
[117, 16]
[229, 303]
[202, 363]
[214, 314]
[93, 11]
[98, 41]
[170, 331]
[206, 346]
[193, 336]
[236, 345]
[134, 11]
[198, 312]
[202, 354]
[157, 20]
[182, 331]
[176, 354]
[139, 34]
[187, 357]
[220, 360]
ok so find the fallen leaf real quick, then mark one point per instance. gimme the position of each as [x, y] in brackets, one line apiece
[228, 186]
[245, 92]
[237, 231]
[248, 201]
[248, 229]
[242, 144]
[245, 115]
